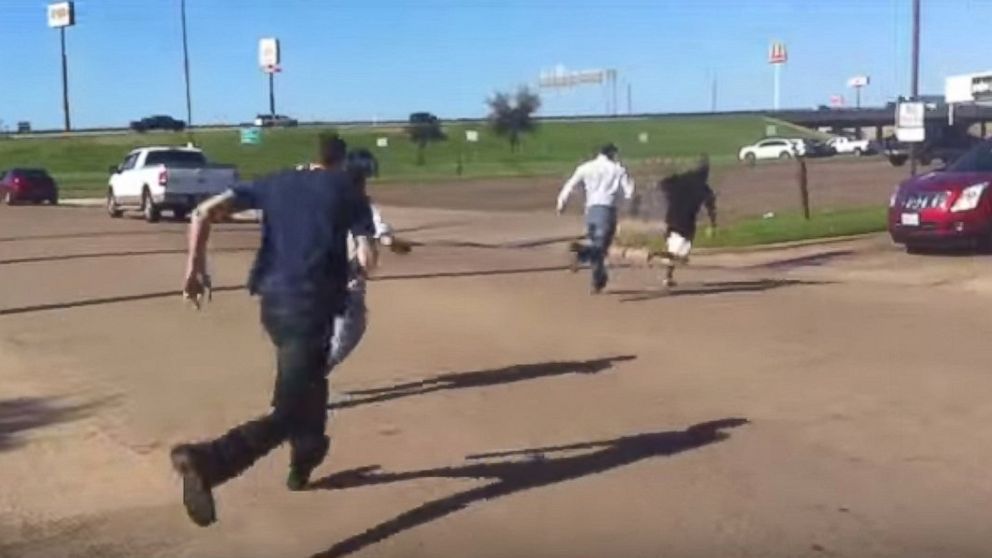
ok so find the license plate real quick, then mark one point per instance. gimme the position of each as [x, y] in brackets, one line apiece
[911, 219]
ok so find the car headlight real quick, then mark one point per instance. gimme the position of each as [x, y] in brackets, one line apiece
[969, 197]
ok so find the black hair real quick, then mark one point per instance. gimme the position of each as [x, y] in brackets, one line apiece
[610, 150]
[332, 150]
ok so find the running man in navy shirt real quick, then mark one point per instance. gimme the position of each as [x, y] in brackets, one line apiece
[301, 276]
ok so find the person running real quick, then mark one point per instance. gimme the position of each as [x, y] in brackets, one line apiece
[685, 194]
[604, 180]
[301, 276]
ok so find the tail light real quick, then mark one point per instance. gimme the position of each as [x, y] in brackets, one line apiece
[163, 177]
[17, 182]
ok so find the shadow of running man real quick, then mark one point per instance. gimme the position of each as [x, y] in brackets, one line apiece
[476, 378]
[515, 476]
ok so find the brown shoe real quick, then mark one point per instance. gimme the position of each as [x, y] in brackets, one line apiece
[197, 495]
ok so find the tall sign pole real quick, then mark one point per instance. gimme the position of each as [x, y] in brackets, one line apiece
[189, 102]
[915, 85]
[269, 57]
[777, 57]
[60, 16]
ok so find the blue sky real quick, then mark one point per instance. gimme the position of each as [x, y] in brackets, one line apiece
[385, 59]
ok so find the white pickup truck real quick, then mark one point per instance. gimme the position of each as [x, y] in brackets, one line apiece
[842, 145]
[171, 178]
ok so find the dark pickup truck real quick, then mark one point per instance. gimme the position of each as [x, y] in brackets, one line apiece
[942, 144]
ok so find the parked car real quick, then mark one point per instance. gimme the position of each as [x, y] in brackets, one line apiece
[275, 121]
[946, 207]
[842, 146]
[28, 185]
[771, 148]
[817, 148]
[153, 179]
[158, 122]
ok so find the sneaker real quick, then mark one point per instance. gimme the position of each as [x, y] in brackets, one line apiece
[669, 283]
[297, 479]
[197, 495]
[299, 472]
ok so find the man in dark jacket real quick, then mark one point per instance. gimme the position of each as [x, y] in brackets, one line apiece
[685, 194]
[301, 275]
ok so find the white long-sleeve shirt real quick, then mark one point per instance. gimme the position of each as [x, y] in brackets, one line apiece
[604, 180]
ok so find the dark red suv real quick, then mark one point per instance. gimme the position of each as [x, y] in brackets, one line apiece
[28, 185]
[950, 206]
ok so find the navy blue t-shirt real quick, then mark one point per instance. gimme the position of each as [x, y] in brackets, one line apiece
[306, 216]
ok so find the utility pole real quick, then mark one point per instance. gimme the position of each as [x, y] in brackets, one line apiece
[189, 102]
[713, 92]
[272, 94]
[915, 85]
[630, 102]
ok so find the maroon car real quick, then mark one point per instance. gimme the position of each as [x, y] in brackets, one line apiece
[947, 207]
[28, 185]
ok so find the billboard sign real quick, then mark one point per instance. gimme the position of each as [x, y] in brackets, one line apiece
[858, 81]
[910, 120]
[61, 14]
[837, 101]
[268, 53]
[981, 87]
[777, 53]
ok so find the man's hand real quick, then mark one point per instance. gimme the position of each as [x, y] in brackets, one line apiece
[197, 288]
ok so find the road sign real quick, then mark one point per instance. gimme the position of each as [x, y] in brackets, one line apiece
[251, 136]
[471, 136]
[382, 142]
[910, 121]
[268, 53]
[643, 137]
[62, 14]
[777, 53]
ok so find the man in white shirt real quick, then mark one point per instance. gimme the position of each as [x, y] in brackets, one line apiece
[605, 180]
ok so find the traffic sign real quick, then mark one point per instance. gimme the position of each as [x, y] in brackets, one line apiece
[910, 121]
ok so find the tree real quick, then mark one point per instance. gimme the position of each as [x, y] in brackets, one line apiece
[423, 129]
[513, 116]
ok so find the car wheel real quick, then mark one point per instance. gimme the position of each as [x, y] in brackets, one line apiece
[925, 160]
[54, 200]
[858, 152]
[113, 209]
[750, 159]
[785, 155]
[897, 160]
[151, 213]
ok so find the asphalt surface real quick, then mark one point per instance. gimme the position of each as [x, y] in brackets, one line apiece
[819, 401]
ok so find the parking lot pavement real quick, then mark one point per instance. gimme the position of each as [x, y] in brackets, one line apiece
[819, 401]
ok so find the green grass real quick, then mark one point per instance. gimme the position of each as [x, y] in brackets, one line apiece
[781, 228]
[80, 163]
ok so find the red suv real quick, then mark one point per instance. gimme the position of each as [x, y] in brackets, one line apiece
[950, 206]
[34, 185]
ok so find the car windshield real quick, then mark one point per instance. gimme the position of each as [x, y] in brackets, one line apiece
[979, 159]
[176, 158]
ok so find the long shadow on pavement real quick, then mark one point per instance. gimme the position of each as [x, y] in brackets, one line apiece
[477, 378]
[18, 416]
[510, 477]
[713, 288]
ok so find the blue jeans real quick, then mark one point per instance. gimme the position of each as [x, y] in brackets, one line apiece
[349, 327]
[601, 225]
[300, 331]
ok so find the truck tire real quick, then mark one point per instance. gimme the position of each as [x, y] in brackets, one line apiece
[898, 160]
[148, 209]
[113, 209]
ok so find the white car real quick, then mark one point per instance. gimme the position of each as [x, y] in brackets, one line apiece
[771, 148]
[843, 145]
[172, 178]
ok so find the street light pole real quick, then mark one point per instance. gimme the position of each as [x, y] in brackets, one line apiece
[189, 102]
[272, 94]
[915, 85]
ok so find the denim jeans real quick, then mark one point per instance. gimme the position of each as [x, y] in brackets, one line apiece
[349, 327]
[601, 225]
[300, 331]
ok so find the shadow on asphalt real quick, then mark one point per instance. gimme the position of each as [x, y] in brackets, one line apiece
[509, 477]
[713, 288]
[17, 416]
[125, 254]
[477, 378]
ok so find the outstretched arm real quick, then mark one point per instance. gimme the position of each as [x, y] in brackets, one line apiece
[197, 282]
[566, 190]
[710, 203]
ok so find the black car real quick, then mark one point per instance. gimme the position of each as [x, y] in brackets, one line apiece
[817, 148]
[158, 122]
